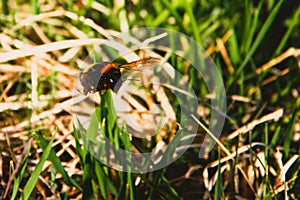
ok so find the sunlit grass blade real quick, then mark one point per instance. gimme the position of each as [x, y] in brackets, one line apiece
[42, 142]
[234, 51]
[81, 151]
[35, 7]
[36, 172]
[276, 137]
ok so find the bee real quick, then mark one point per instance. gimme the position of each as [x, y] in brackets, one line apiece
[103, 76]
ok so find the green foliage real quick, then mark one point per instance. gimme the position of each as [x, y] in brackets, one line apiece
[36, 172]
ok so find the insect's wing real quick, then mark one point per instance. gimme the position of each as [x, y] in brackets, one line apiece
[145, 62]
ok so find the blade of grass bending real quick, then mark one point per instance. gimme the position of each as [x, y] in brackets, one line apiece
[42, 142]
[37, 171]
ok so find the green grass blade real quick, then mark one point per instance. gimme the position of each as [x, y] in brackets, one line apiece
[259, 38]
[218, 187]
[4, 5]
[191, 15]
[247, 23]
[35, 7]
[294, 23]
[275, 137]
[81, 152]
[130, 186]
[174, 194]
[266, 177]
[253, 27]
[88, 173]
[234, 48]
[104, 181]
[36, 172]
[42, 142]
[173, 11]
[18, 180]
[289, 133]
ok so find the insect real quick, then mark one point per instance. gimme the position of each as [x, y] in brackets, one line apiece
[103, 76]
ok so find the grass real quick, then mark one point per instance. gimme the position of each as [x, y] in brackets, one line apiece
[254, 44]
